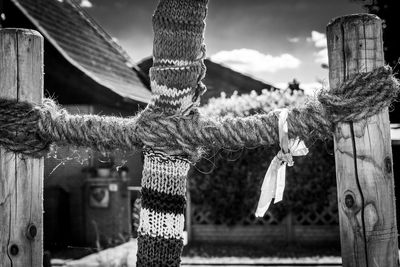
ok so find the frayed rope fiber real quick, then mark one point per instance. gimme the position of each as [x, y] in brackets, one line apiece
[30, 129]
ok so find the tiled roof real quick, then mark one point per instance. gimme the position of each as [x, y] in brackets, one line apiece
[85, 45]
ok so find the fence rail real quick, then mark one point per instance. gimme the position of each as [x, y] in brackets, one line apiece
[321, 224]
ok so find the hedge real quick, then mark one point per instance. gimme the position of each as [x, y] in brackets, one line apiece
[228, 183]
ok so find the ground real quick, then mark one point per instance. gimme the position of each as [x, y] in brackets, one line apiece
[209, 255]
[275, 249]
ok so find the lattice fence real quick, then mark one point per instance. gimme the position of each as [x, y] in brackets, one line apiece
[327, 215]
[321, 216]
[319, 224]
[202, 216]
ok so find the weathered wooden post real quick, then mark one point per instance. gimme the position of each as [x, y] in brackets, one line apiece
[363, 152]
[21, 177]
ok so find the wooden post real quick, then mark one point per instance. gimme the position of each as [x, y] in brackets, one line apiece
[363, 152]
[21, 177]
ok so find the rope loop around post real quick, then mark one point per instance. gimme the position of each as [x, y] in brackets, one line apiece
[361, 96]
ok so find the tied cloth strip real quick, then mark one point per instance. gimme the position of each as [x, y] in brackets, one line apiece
[274, 181]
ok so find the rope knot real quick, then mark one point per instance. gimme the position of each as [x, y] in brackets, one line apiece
[19, 130]
[285, 158]
[361, 96]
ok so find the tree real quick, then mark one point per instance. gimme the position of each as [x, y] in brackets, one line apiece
[387, 11]
[294, 85]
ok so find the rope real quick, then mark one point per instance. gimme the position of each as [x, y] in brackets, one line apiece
[30, 129]
[361, 97]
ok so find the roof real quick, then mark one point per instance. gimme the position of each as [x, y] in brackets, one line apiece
[84, 44]
[220, 79]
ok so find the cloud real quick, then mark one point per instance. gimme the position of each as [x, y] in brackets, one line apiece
[281, 85]
[293, 39]
[318, 38]
[319, 41]
[312, 87]
[321, 56]
[86, 4]
[254, 62]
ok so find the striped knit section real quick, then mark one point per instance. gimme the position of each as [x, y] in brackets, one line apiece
[176, 76]
[172, 62]
[164, 176]
[178, 53]
[160, 232]
[173, 97]
[165, 225]
[171, 92]
[162, 202]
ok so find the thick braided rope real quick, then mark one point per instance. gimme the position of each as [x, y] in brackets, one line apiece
[29, 129]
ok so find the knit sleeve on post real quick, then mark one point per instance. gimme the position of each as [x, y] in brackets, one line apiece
[178, 53]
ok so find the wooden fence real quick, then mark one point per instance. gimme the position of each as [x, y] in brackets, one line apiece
[319, 225]
[363, 154]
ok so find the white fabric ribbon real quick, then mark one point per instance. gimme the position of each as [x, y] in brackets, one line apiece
[274, 180]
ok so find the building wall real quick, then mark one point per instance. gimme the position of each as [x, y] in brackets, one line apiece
[64, 196]
[109, 225]
[66, 176]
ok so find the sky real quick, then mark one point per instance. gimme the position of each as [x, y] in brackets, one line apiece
[275, 41]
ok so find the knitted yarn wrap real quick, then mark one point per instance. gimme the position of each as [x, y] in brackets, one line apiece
[176, 83]
[160, 240]
[30, 129]
[178, 53]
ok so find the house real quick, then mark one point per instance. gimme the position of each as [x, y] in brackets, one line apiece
[86, 71]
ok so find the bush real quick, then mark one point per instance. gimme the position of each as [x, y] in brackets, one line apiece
[231, 189]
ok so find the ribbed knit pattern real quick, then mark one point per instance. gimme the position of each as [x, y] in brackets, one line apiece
[163, 203]
[178, 54]
[158, 251]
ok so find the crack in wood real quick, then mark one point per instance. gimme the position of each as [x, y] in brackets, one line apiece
[5, 199]
[357, 178]
[362, 158]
